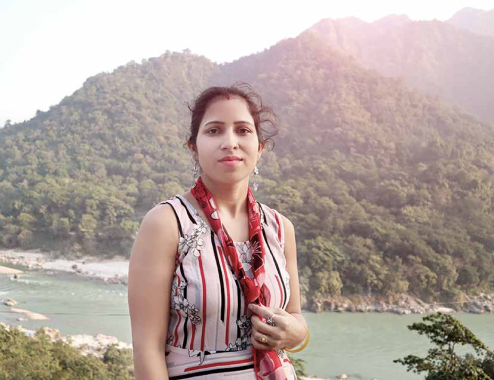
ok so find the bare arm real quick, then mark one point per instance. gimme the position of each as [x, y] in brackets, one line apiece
[151, 268]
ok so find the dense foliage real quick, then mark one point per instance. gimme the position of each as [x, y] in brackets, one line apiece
[390, 191]
[442, 362]
[22, 357]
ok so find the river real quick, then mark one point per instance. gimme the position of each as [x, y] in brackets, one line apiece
[363, 346]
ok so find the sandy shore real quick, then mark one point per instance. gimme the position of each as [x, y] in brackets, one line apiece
[7, 270]
[113, 271]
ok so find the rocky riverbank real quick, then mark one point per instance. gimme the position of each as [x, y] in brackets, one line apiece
[114, 271]
[402, 304]
[87, 344]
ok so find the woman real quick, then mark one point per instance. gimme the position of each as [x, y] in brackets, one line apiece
[213, 282]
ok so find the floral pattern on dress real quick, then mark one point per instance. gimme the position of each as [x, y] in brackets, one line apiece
[243, 249]
[181, 304]
[287, 281]
[193, 243]
[245, 326]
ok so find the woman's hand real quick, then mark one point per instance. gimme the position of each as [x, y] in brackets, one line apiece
[287, 331]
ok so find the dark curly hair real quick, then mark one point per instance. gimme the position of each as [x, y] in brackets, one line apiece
[265, 120]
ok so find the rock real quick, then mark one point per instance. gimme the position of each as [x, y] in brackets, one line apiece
[401, 310]
[362, 308]
[30, 314]
[342, 377]
[351, 308]
[472, 308]
[10, 302]
[54, 334]
[442, 309]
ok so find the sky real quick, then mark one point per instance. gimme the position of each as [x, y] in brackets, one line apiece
[49, 48]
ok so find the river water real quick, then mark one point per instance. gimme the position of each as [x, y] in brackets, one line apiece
[363, 346]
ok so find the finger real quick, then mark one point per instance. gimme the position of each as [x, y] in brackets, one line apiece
[264, 328]
[281, 311]
[262, 311]
[257, 345]
[257, 341]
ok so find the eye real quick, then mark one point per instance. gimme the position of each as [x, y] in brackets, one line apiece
[244, 130]
[212, 131]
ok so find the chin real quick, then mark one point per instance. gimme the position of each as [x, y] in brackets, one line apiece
[229, 177]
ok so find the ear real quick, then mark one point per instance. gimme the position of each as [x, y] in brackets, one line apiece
[261, 149]
[193, 150]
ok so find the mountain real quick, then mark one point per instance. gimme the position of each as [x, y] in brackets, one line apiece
[390, 190]
[434, 57]
[475, 20]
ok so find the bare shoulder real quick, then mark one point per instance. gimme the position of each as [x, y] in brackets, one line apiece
[157, 239]
[287, 223]
[161, 218]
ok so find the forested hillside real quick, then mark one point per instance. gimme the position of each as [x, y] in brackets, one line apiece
[432, 56]
[390, 191]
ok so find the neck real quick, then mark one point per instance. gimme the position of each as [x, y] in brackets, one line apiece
[230, 199]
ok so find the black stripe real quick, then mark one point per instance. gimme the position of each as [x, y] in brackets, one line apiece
[176, 216]
[211, 371]
[184, 345]
[277, 268]
[263, 214]
[188, 212]
[222, 285]
[239, 300]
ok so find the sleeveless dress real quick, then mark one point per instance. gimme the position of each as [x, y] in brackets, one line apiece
[209, 326]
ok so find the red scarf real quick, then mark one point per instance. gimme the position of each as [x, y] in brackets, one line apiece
[267, 364]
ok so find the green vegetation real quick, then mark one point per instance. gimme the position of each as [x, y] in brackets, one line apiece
[442, 362]
[390, 191]
[22, 357]
[298, 365]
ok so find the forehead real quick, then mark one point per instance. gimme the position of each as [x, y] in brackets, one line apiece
[233, 109]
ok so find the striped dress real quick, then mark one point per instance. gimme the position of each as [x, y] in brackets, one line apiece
[209, 325]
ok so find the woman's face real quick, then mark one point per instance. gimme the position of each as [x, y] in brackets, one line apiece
[227, 145]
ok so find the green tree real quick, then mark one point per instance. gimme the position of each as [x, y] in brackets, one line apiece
[442, 362]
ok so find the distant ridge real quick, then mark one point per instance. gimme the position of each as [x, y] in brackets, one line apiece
[475, 20]
[434, 57]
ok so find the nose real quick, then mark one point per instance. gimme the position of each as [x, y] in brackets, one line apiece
[230, 140]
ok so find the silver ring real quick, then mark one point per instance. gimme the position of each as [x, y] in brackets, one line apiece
[270, 320]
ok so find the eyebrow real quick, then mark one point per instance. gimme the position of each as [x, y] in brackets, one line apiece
[222, 123]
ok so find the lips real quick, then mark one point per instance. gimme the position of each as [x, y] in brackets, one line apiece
[230, 158]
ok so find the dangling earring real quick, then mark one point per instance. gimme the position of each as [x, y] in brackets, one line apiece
[195, 171]
[255, 184]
